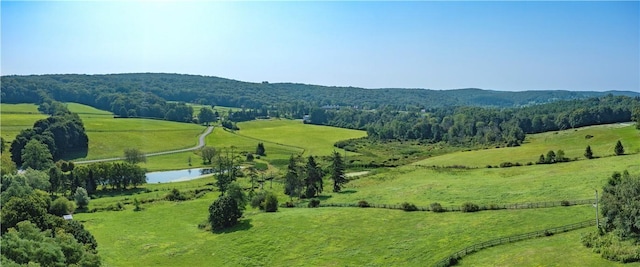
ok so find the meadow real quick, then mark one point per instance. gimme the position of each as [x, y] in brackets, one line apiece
[573, 142]
[166, 233]
[17, 117]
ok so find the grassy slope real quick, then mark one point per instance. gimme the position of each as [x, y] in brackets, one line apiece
[573, 142]
[316, 140]
[572, 180]
[302, 237]
[108, 137]
[558, 250]
[17, 117]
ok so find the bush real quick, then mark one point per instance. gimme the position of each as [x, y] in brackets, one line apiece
[314, 203]
[436, 207]
[565, 203]
[290, 204]
[62, 206]
[506, 164]
[271, 203]
[257, 201]
[363, 204]
[406, 206]
[470, 207]
[224, 213]
[176, 195]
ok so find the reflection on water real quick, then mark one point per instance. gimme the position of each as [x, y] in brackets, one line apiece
[177, 175]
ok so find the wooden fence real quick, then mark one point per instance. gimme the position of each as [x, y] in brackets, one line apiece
[455, 257]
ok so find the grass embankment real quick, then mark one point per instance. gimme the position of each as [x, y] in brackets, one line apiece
[558, 250]
[573, 142]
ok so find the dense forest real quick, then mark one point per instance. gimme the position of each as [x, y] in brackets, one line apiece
[146, 94]
[464, 116]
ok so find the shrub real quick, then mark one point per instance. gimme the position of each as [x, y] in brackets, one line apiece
[224, 213]
[314, 203]
[176, 195]
[271, 202]
[363, 204]
[494, 207]
[436, 207]
[257, 201]
[61, 206]
[249, 157]
[506, 164]
[470, 207]
[565, 203]
[406, 206]
[289, 204]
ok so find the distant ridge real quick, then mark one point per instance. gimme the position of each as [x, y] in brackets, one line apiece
[228, 92]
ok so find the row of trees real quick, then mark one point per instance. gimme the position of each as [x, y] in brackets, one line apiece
[307, 180]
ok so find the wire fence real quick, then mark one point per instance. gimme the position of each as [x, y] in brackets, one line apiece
[530, 205]
[455, 257]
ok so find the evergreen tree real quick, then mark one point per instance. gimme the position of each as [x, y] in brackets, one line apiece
[260, 149]
[541, 159]
[313, 180]
[337, 172]
[619, 149]
[292, 182]
[588, 153]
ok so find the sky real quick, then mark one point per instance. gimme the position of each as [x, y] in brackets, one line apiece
[511, 46]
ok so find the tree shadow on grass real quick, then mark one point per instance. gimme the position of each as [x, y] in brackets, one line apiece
[323, 198]
[350, 191]
[242, 225]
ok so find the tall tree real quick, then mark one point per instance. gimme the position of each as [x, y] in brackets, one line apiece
[621, 205]
[588, 153]
[82, 197]
[619, 149]
[551, 157]
[337, 172]
[313, 178]
[260, 149]
[207, 154]
[134, 156]
[292, 182]
[206, 116]
[36, 155]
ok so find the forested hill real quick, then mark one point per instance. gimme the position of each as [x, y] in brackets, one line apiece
[101, 90]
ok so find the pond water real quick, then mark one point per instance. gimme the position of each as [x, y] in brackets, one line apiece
[177, 175]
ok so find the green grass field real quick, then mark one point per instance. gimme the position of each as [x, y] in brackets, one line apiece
[303, 237]
[315, 139]
[17, 117]
[537, 183]
[573, 142]
[558, 250]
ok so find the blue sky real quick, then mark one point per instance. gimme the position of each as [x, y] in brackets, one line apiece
[435, 45]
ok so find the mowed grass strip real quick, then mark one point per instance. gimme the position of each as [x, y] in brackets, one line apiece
[537, 183]
[558, 250]
[315, 139]
[166, 234]
[573, 142]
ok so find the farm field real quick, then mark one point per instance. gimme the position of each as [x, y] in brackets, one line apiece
[572, 141]
[558, 250]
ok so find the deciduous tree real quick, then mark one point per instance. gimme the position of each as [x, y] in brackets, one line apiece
[224, 213]
[134, 156]
[207, 154]
[36, 155]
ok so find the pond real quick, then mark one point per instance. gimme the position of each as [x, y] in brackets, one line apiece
[177, 175]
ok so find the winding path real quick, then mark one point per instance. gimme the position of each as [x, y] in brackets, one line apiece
[200, 145]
